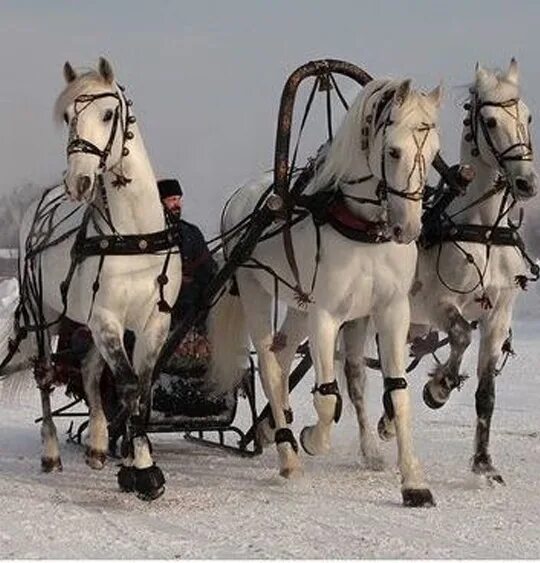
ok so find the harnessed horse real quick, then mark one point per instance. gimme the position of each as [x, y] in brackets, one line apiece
[106, 259]
[376, 167]
[472, 262]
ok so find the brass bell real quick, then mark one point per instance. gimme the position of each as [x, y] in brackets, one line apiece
[132, 119]
[125, 151]
[130, 135]
[129, 102]
[466, 122]
[468, 137]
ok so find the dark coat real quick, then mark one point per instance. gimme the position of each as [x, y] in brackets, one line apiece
[198, 268]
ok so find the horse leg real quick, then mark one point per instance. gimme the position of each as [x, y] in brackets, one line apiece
[291, 334]
[50, 457]
[146, 479]
[446, 377]
[354, 337]
[257, 305]
[493, 332]
[323, 330]
[96, 449]
[392, 324]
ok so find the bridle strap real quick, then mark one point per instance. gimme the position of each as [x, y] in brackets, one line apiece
[121, 116]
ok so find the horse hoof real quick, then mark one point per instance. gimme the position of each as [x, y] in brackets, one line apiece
[149, 496]
[95, 459]
[417, 497]
[429, 399]
[292, 472]
[385, 429]
[149, 482]
[488, 472]
[126, 479]
[303, 436]
[50, 464]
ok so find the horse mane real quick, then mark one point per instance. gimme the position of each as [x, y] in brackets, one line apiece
[84, 82]
[343, 152]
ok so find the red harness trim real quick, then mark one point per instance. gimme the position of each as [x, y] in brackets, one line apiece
[342, 214]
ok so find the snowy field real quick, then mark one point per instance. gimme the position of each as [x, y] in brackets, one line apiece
[220, 506]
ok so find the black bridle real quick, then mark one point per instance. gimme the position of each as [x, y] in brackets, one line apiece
[479, 123]
[377, 123]
[121, 120]
[494, 234]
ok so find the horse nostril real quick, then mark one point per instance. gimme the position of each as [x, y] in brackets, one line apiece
[523, 186]
[398, 231]
[84, 184]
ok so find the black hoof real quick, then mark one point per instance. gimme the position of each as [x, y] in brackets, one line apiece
[429, 400]
[302, 443]
[485, 469]
[149, 483]
[126, 479]
[417, 497]
[50, 464]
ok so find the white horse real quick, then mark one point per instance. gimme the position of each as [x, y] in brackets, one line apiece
[459, 282]
[381, 153]
[109, 174]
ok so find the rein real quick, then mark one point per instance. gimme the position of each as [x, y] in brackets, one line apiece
[121, 120]
[441, 228]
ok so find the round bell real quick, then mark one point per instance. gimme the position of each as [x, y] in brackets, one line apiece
[468, 137]
[132, 119]
[125, 151]
[130, 135]
[129, 102]
[467, 106]
[475, 152]
[467, 121]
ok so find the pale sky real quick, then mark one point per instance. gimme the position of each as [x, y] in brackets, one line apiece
[206, 76]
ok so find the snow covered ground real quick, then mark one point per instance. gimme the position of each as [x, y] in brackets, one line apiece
[219, 505]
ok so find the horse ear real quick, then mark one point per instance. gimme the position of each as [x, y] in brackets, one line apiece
[402, 92]
[481, 73]
[436, 95]
[69, 72]
[105, 70]
[512, 74]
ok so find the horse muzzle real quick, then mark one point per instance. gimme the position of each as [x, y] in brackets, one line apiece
[79, 187]
[525, 187]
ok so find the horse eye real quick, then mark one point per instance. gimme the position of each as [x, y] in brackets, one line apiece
[394, 152]
[491, 122]
[108, 115]
[66, 117]
[530, 118]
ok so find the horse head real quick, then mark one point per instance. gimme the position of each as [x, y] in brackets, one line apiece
[498, 128]
[97, 116]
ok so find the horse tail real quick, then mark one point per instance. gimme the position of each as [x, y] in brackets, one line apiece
[229, 342]
[15, 351]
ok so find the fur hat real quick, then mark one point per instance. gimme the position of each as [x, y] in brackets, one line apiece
[169, 187]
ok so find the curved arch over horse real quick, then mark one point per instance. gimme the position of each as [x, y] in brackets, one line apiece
[375, 168]
[110, 264]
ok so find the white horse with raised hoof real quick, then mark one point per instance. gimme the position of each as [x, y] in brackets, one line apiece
[457, 284]
[109, 174]
[464, 281]
[381, 153]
